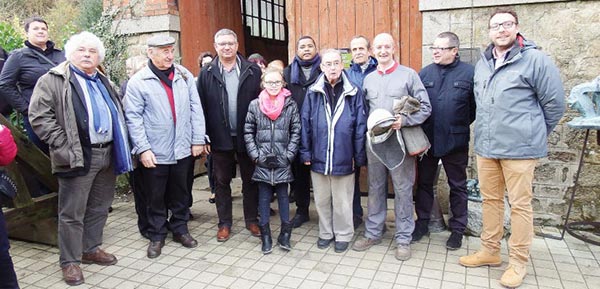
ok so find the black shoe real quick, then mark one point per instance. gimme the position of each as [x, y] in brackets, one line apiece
[212, 199]
[455, 241]
[265, 238]
[324, 243]
[186, 240]
[421, 230]
[155, 248]
[284, 237]
[299, 219]
[341, 247]
[357, 220]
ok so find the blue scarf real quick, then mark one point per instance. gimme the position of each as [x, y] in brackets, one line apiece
[296, 75]
[121, 156]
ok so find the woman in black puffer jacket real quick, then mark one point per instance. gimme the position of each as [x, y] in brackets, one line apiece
[24, 67]
[272, 136]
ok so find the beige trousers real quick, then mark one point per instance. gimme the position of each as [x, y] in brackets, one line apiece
[516, 177]
[333, 199]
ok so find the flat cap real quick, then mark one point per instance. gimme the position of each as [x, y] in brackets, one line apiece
[160, 41]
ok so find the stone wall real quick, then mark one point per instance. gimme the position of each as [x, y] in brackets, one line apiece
[569, 31]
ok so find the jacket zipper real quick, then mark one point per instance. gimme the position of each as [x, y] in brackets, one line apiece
[272, 143]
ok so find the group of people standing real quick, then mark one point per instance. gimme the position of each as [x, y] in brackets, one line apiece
[312, 122]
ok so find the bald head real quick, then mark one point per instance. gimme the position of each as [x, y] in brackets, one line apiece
[384, 48]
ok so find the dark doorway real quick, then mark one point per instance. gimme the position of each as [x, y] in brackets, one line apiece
[265, 28]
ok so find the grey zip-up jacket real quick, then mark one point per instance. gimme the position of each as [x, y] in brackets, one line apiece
[518, 104]
[150, 120]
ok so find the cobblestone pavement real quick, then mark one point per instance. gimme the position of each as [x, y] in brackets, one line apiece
[238, 263]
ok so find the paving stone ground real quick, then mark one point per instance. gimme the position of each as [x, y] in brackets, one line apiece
[238, 263]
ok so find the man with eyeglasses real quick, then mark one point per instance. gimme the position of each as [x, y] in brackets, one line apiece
[226, 88]
[333, 144]
[361, 65]
[520, 99]
[449, 83]
[391, 82]
[300, 75]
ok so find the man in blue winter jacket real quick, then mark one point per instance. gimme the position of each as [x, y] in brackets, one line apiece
[362, 64]
[520, 99]
[449, 83]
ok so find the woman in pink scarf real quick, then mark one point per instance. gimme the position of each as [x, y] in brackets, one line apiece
[272, 135]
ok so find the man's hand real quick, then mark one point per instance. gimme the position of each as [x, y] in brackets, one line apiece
[398, 123]
[307, 163]
[197, 150]
[206, 149]
[148, 159]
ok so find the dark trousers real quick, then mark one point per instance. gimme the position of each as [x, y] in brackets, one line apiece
[136, 182]
[357, 210]
[166, 189]
[33, 137]
[301, 186]
[223, 170]
[8, 278]
[265, 193]
[455, 165]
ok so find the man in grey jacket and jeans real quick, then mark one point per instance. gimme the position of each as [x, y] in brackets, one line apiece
[520, 99]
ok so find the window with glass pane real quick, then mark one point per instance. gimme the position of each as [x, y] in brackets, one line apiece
[266, 18]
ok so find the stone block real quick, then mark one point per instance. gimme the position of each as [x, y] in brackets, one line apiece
[475, 220]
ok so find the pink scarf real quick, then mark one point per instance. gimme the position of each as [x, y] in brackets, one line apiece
[270, 106]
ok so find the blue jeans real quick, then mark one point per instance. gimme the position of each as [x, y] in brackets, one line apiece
[8, 278]
[265, 192]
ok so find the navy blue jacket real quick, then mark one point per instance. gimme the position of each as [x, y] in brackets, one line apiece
[356, 75]
[450, 89]
[333, 139]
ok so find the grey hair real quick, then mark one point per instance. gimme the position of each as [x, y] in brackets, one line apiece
[223, 32]
[362, 37]
[84, 37]
[452, 38]
[331, 50]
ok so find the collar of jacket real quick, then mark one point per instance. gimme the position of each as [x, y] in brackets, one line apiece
[372, 66]
[521, 44]
[319, 85]
[450, 65]
[146, 73]
[243, 63]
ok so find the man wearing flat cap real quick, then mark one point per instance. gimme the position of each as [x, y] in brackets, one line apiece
[166, 125]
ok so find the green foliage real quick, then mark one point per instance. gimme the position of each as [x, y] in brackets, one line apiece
[62, 21]
[10, 37]
[90, 13]
[116, 44]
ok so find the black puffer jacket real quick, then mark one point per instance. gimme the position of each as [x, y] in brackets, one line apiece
[22, 70]
[280, 137]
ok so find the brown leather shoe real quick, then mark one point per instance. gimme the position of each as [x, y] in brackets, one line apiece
[186, 240]
[155, 249]
[72, 275]
[99, 257]
[254, 229]
[223, 234]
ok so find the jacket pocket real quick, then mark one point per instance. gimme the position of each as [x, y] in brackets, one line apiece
[59, 156]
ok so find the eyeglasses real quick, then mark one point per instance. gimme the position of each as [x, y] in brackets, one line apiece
[505, 24]
[332, 64]
[273, 83]
[434, 48]
[222, 44]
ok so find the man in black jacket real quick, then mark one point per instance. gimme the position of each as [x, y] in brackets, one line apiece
[449, 83]
[226, 87]
[300, 75]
